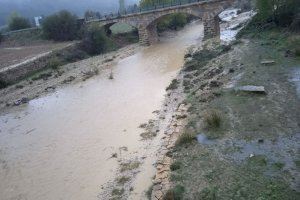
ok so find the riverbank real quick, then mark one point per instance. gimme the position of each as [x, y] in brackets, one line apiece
[241, 137]
[51, 79]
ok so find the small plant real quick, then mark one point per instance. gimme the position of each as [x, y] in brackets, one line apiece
[3, 84]
[257, 161]
[129, 166]
[212, 119]
[175, 166]
[175, 194]
[185, 138]
[122, 180]
[117, 192]
[54, 63]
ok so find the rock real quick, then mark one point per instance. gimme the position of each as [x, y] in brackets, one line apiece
[69, 79]
[50, 88]
[267, 62]
[21, 101]
[251, 89]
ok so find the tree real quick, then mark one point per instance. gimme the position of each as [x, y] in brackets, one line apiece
[281, 12]
[17, 22]
[150, 3]
[61, 26]
[95, 40]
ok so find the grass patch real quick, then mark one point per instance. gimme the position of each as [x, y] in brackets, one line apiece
[186, 138]
[209, 193]
[3, 84]
[175, 193]
[257, 161]
[122, 180]
[148, 135]
[117, 192]
[212, 119]
[129, 166]
[278, 165]
[54, 63]
[175, 166]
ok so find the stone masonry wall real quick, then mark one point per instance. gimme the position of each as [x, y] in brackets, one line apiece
[211, 27]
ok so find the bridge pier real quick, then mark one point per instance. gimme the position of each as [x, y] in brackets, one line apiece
[211, 27]
[147, 34]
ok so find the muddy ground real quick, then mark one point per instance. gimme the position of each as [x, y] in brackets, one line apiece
[49, 80]
[237, 144]
[14, 54]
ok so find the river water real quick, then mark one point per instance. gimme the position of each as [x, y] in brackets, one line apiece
[58, 146]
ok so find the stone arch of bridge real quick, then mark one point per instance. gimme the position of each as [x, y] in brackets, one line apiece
[109, 25]
[148, 31]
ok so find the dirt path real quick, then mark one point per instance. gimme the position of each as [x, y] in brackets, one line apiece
[15, 55]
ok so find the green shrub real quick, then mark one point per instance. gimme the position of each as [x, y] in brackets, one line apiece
[95, 40]
[54, 63]
[185, 138]
[3, 84]
[17, 22]
[175, 166]
[175, 194]
[61, 26]
[172, 22]
[281, 12]
[212, 119]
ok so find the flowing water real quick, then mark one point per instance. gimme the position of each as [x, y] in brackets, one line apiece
[58, 146]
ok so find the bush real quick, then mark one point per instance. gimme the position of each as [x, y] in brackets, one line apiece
[175, 166]
[185, 138]
[175, 194]
[281, 12]
[3, 84]
[61, 26]
[172, 22]
[212, 119]
[95, 40]
[17, 22]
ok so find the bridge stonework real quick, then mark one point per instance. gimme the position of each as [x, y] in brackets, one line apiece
[145, 22]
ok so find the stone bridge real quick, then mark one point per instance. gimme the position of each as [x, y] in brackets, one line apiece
[145, 22]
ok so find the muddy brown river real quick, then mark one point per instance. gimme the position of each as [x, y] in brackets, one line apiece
[58, 146]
